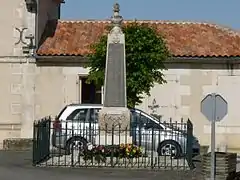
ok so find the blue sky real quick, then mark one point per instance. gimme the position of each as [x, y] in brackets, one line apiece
[221, 12]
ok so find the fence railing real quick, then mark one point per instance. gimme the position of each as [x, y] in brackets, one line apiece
[77, 143]
[41, 140]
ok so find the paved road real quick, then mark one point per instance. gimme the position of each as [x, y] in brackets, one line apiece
[17, 165]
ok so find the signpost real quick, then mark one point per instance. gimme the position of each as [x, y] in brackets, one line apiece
[215, 108]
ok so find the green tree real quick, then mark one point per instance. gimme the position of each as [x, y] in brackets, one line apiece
[146, 52]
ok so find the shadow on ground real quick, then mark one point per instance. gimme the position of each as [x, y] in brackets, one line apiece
[20, 163]
[15, 158]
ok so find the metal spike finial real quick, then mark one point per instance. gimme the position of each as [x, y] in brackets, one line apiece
[116, 18]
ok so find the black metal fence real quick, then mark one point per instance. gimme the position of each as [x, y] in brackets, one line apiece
[76, 143]
[41, 140]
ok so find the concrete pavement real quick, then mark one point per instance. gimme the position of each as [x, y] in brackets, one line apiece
[17, 165]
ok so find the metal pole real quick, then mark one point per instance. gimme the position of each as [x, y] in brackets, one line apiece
[213, 150]
[213, 138]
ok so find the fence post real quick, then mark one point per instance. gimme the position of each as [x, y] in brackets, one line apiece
[152, 149]
[41, 135]
[189, 151]
[38, 152]
[49, 136]
[34, 146]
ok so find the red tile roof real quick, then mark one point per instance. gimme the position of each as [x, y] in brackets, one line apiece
[73, 38]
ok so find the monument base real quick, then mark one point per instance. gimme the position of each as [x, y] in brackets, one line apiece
[114, 124]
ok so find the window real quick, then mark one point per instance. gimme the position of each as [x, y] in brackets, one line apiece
[138, 119]
[134, 119]
[90, 93]
[153, 125]
[94, 115]
[142, 120]
[79, 115]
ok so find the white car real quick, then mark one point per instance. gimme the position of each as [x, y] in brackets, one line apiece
[77, 124]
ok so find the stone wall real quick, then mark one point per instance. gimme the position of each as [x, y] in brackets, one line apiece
[29, 92]
[186, 86]
[185, 89]
[13, 16]
[55, 87]
[17, 23]
[11, 95]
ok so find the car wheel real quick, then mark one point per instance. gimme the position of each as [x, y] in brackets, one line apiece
[169, 148]
[76, 144]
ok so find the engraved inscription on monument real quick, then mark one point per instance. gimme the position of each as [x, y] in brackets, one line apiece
[115, 88]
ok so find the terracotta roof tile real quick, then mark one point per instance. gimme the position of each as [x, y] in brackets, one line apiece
[183, 38]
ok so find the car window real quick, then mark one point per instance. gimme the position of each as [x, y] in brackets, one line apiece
[134, 119]
[94, 112]
[141, 120]
[138, 119]
[153, 125]
[80, 115]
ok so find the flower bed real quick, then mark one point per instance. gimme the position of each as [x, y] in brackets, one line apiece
[100, 152]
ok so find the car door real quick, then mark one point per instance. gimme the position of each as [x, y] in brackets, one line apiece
[93, 121]
[138, 122]
[78, 122]
[155, 134]
[144, 133]
[148, 132]
[94, 125]
[134, 129]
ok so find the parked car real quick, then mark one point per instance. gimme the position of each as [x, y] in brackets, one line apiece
[76, 121]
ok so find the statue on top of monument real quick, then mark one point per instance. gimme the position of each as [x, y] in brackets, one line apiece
[116, 20]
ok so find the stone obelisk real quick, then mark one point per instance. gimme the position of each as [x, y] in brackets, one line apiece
[115, 111]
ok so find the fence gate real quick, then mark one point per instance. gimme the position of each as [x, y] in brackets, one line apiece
[41, 140]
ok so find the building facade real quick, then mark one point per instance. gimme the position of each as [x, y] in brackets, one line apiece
[39, 80]
[23, 22]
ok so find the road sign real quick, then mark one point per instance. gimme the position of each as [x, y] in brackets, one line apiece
[214, 107]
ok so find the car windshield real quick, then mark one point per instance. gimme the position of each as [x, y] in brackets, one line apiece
[150, 119]
[141, 119]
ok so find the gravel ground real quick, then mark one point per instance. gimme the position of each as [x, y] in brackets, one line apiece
[18, 164]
